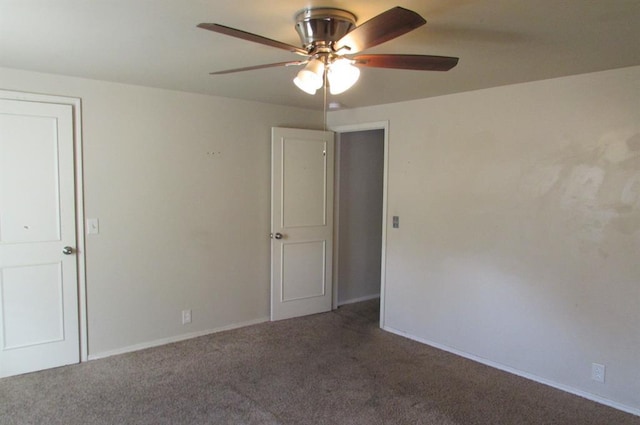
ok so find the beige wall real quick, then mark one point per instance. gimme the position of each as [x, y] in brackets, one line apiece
[519, 206]
[180, 184]
[519, 242]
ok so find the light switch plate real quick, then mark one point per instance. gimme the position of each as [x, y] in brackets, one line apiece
[93, 226]
[396, 222]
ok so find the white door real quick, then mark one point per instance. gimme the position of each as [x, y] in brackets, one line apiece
[38, 281]
[301, 222]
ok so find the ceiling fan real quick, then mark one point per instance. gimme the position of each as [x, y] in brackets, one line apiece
[330, 38]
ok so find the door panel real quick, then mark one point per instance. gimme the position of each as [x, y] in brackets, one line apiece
[304, 171]
[303, 266]
[38, 283]
[302, 213]
[29, 218]
[31, 320]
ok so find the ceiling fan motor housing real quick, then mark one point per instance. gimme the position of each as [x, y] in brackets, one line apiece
[321, 27]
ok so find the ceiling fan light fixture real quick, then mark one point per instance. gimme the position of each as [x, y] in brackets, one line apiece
[305, 87]
[342, 75]
[311, 77]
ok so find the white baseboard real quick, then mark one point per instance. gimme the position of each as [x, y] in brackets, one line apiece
[357, 300]
[532, 377]
[183, 337]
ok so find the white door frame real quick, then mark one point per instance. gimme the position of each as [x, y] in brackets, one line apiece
[76, 105]
[380, 125]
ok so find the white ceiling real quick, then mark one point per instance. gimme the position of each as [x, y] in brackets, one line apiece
[156, 43]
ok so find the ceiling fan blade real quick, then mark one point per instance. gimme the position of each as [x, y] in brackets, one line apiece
[383, 27]
[249, 68]
[416, 62]
[252, 37]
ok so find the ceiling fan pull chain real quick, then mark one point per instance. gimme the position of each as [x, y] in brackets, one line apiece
[324, 101]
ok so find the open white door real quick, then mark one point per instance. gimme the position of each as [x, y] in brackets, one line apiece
[301, 222]
[38, 266]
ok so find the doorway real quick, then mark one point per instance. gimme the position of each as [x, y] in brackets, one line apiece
[360, 214]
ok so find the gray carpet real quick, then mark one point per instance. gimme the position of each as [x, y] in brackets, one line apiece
[333, 368]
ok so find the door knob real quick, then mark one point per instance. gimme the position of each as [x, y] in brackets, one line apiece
[278, 235]
[67, 250]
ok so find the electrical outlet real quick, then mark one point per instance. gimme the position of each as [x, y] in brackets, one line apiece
[597, 372]
[186, 316]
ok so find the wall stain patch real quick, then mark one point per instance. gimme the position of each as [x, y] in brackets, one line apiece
[634, 142]
[583, 185]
